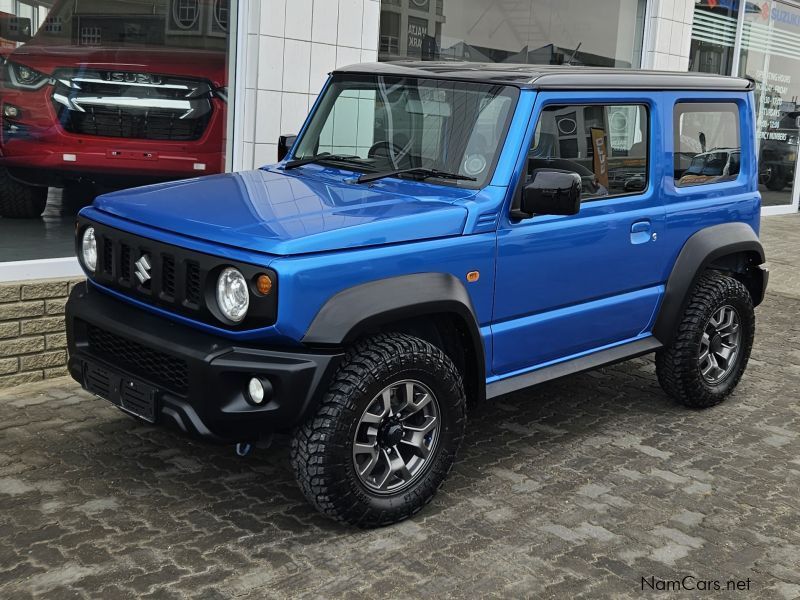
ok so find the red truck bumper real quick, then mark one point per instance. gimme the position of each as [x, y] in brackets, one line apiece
[36, 148]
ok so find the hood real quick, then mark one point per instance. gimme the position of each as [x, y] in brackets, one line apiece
[200, 64]
[287, 213]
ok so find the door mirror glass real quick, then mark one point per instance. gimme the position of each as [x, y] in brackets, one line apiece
[551, 192]
[15, 29]
[285, 143]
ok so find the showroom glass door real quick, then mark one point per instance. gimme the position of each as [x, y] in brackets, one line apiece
[770, 54]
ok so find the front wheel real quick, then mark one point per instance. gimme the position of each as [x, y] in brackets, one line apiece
[709, 354]
[386, 434]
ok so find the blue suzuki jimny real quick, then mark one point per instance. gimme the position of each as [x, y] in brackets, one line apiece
[437, 233]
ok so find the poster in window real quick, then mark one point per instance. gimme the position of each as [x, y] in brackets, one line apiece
[600, 160]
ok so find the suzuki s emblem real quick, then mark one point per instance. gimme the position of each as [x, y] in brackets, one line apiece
[143, 267]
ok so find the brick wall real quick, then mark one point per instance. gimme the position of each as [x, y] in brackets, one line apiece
[32, 338]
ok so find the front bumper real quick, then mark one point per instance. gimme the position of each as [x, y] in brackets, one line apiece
[36, 145]
[193, 381]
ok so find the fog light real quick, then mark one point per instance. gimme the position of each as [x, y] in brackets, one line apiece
[255, 390]
[11, 111]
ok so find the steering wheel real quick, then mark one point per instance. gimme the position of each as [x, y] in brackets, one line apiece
[383, 149]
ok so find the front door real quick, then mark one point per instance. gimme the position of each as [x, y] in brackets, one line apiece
[567, 285]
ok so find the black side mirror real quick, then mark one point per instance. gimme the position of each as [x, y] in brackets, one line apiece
[635, 184]
[15, 29]
[285, 143]
[551, 192]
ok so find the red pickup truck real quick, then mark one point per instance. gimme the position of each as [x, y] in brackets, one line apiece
[113, 94]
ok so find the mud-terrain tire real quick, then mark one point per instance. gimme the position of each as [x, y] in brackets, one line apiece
[719, 321]
[334, 472]
[20, 201]
[775, 179]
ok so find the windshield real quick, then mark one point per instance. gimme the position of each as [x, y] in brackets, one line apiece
[375, 124]
[189, 24]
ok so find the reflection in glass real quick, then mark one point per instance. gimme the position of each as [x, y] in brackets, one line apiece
[108, 94]
[607, 33]
[605, 145]
[771, 56]
[714, 36]
[707, 143]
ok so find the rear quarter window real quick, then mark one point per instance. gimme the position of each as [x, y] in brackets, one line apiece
[707, 143]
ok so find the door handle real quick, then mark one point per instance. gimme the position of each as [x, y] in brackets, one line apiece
[640, 232]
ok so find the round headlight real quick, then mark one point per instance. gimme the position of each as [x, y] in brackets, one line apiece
[89, 249]
[233, 297]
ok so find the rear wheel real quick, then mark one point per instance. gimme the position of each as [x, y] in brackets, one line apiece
[709, 354]
[774, 179]
[386, 434]
[19, 200]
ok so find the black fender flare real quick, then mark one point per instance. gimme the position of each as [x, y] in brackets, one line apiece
[700, 251]
[364, 307]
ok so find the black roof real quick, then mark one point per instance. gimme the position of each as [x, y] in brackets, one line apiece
[549, 77]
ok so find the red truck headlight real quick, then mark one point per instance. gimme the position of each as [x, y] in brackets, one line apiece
[24, 77]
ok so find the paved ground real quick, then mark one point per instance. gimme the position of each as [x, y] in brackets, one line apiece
[578, 488]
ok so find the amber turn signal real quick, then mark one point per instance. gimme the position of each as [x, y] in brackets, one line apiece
[473, 276]
[264, 284]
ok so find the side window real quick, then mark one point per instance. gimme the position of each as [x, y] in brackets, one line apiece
[707, 142]
[605, 144]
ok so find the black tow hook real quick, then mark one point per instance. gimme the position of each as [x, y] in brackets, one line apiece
[244, 448]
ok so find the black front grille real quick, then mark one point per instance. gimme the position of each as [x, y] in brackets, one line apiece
[161, 283]
[150, 364]
[124, 262]
[173, 278]
[168, 277]
[121, 123]
[108, 256]
[193, 283]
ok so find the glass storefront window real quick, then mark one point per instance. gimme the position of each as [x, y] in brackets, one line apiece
[97, 95]
[713, 37]
[768, 46]
[770, 55]
[607, 33]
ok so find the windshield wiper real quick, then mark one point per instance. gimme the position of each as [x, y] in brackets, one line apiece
[307, 160]
[421, 172]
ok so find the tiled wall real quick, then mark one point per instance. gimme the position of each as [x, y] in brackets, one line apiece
[669, 33]
[291, 47]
